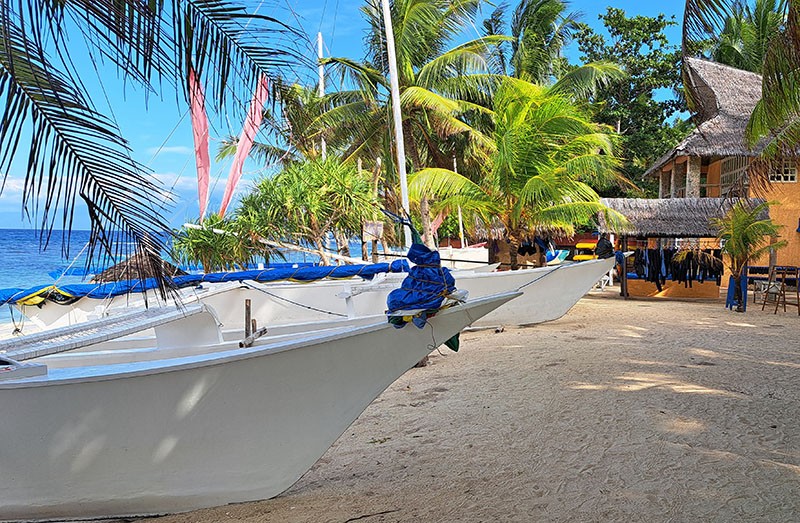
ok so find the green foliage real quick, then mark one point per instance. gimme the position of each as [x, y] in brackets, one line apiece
[308, 199]
[633, 105]
[546, 149]
[744, 39]
[219, 244]
[746, 234]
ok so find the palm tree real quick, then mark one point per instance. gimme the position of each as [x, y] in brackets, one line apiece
[439, 87]
[747, 31]
[294, 131]
[775, 122]
[545, 150]
[745, 233]
[73, 151]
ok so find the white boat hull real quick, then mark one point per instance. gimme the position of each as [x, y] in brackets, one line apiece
[548, 293]
[172, 435]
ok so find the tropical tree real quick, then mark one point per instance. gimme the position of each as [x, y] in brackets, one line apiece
[310, 199]
[221, 244]
[775, 122]
[747, 32]
[440, 87]
[291, 126]
[640, 105]
[746, 234]
[72, 151]
[539, 31]
[545, 149]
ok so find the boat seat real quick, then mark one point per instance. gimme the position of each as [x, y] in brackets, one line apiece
[112, 327]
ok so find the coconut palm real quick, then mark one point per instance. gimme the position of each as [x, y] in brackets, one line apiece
[775, 122]
[74, 152]
[747, 31]
[439, 85]
[545, 150]
[746, 233]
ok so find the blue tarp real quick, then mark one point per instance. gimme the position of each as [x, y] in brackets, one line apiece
[300, 274]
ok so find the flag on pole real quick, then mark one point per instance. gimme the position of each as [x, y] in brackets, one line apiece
[197, 107]
[251, 125]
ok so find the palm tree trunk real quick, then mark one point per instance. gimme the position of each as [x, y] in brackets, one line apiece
[513, 248]
[424, 204]
[737, 292]
[427, 226]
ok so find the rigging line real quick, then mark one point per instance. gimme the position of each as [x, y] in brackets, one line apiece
[260, 289]
[322, 16]
[540, 277]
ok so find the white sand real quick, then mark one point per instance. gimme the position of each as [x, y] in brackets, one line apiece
[641, 410]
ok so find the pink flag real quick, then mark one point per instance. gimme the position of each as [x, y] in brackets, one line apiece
[251, 124]
[197, 106]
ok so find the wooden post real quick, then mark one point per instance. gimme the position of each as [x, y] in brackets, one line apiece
[247, 318]
[623, 280]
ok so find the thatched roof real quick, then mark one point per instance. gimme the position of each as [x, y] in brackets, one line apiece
[137, 266]
[671, 217]
[724, 99]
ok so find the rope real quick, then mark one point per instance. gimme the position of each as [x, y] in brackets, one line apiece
[287, 300]
[540, 277]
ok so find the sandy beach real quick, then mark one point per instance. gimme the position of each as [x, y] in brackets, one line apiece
[642, 410]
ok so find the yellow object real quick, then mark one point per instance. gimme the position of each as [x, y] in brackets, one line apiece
[581, 249]
[39, 296]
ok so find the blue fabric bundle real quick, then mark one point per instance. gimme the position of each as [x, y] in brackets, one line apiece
[426, 285]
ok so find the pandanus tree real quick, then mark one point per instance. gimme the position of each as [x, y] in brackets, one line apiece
[545, 149]
[775, 122]
[746, 233]
[69, 150]
[310, 199]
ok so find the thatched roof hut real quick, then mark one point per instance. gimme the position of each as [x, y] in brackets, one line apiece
[671, 217]
[135, 267]
[724, 98]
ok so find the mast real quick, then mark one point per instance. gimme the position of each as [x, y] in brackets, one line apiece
[398, 119]
[321, 89]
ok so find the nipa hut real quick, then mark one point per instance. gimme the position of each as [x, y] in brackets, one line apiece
[660, 229]
[138, 266]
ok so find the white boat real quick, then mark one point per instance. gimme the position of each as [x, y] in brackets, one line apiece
[548, 293]
[192, 422]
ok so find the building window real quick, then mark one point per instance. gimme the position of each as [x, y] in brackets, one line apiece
[786, 172]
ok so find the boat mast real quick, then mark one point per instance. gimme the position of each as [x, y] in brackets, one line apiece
[398, 119]
[321, 89]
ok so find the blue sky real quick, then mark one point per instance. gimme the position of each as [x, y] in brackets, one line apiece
[161, 136]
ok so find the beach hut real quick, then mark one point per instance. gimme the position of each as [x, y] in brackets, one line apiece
[679, 223]
[713, 161]
[137, 266]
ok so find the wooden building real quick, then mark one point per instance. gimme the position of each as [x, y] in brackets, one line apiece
[712, 162]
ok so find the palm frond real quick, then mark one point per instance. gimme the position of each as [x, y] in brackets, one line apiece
[72, 152]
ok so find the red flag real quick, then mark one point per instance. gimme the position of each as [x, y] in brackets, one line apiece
[197, 106]
[251, 125]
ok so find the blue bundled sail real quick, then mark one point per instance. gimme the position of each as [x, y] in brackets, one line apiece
[427, 283]
[422, 292]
